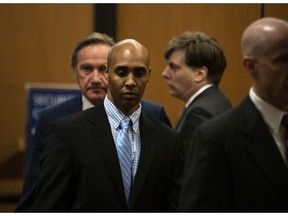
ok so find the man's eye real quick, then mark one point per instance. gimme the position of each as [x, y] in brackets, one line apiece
[87, 69]
[173, 67]
[121, 72]
[140, 72]
[102, 69]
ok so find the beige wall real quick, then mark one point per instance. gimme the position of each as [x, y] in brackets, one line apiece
[36, 42]
[155, 24]
[37, 39]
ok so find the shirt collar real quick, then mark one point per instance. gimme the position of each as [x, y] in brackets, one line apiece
[203, 88]
[271, 115]
[86, 104]
[116, 115]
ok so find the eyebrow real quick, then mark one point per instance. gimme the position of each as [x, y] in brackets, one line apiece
[124, 67]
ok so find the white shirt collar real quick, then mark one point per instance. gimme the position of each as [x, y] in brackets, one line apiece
[203, 88]
[115, 115]
[271, 115]
[86, 104]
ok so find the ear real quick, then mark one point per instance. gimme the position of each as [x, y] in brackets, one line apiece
[149, 75]
[249, 64]
[201, 74]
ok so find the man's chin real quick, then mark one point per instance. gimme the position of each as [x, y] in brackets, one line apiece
[130, 104]
[95, 99]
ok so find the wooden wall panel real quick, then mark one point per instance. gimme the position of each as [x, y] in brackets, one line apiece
[155, 24]
[276, 10]
[36, 43]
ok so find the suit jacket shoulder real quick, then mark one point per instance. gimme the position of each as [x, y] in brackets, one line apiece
[67, 107]
[212, 100]
[156, 111]
[207, 105]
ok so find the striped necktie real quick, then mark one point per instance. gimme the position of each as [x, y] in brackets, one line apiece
[125, 155]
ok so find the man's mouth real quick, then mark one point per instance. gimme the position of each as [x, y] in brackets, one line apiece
[130, 95]
[96, 89]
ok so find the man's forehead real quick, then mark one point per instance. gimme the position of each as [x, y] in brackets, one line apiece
[133, 62]
[130, 42]
[129, 50]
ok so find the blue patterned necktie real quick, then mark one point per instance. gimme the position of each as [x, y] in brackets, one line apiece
[125, 155]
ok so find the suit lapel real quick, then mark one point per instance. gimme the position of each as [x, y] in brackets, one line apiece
[75, 105]
[102, 135]
[208, 91]
[180, 120]
[148, 146]
[259, 142]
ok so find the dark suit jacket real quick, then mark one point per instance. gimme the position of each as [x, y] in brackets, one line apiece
[80, 169]
[210, 103]
[235, 166]
[51, 114]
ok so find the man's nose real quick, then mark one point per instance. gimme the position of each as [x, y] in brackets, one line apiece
[130, 81]
[166, 73]
[96, 75]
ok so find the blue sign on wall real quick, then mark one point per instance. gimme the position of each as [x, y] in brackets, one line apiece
[41, 95]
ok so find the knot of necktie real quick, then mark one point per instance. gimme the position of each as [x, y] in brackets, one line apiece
[124, 124]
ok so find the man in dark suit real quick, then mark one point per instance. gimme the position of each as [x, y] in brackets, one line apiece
[238, 160]
[81, 169]
[90, 52]
[195, 64]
